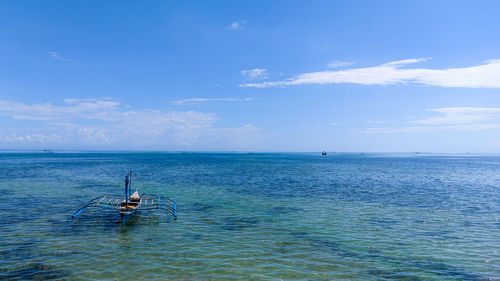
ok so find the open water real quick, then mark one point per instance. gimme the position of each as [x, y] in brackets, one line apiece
[253, 216]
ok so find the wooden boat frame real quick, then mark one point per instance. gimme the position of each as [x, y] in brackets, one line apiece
[128, 206]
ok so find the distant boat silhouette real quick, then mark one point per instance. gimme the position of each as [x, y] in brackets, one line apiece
[323, 153]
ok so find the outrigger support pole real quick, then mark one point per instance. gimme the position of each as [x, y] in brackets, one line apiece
[79, 212]
[175, 209]
[84, 207]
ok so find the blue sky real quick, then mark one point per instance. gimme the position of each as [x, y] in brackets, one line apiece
[381, 76]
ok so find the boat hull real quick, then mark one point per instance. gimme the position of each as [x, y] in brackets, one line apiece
[127, 216]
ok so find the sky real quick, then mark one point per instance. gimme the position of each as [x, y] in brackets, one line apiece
[346, 76]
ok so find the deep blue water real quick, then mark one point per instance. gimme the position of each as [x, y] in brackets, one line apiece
[253, 216]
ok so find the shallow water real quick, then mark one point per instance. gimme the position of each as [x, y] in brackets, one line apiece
[253, 216]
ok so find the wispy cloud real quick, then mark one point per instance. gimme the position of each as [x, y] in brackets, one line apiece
[57, 56]
[256, 73]
[462, 115]
[450, 119]
[236, 25]
[422, 129]
[77, 109]
[486, 75]
[377, 122]
[75, 123]
[200, 100]
[34, 138]
[336, 64]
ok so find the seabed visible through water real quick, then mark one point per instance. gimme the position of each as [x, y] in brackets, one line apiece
[253, 216]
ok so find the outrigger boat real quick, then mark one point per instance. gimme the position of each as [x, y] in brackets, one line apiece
[127, 206]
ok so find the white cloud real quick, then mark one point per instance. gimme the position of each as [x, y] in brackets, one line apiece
[14, 138]
[93, 136]
[419, 129]
[486, 75]
[450, 119]
[200, 100]
[377, 122]
[35, 138]
[105, 122]
[257, 73]
[225, 137]
[462, 115]
[74, 100]
[57, 56]
[97, 109]
[236, 25]
[336, 64]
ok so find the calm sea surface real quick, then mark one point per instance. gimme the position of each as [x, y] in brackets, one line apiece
[253, 216]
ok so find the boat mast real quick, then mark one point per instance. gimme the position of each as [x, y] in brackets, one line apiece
[126, 190]
[130, 185]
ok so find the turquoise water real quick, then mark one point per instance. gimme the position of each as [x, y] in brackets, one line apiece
[253, 216]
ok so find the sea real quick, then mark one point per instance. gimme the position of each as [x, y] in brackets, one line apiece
[252, 216]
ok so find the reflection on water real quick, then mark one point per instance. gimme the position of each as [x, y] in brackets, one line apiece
[253, 216]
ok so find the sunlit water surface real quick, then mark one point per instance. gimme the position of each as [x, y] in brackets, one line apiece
[253, 216]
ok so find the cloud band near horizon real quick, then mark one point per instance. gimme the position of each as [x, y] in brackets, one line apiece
[105, 122]
[449, 119]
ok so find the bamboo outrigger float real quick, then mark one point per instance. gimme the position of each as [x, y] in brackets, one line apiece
[127, 206]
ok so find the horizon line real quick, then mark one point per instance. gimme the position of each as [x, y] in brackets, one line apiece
[48, 151]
